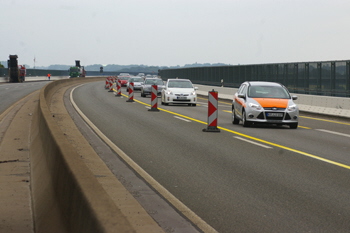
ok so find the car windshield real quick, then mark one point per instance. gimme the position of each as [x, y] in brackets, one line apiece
[136, 80]
[154, 82]
[268, 92]
[180, 84]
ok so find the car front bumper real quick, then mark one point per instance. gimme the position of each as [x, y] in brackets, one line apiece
[192, 99]
[272, 117]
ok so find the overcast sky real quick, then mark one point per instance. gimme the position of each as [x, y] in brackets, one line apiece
[174, 32]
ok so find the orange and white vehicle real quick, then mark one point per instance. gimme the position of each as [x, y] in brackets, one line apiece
[264, 102]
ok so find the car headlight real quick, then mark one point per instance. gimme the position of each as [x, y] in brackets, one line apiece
[292, 108]
[169, 92]
[255, 106]
[193, 93]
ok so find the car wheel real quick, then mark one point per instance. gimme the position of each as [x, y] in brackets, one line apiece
[293, 125]
[194, 105]
[142, 94]
[235, 120]
[244, 120]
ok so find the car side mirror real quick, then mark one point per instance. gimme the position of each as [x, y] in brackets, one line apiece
[241, 96]
[196, 88]
[294, 97]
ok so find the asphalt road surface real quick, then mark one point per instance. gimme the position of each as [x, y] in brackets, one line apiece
[10, 93]
[256, 179]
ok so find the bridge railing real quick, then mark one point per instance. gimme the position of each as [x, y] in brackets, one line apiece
[329, 78]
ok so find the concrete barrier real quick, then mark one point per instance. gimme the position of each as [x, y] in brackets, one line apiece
[327, 105]
[66, 195]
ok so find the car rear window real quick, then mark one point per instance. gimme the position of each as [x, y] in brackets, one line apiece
[136, 80]
[180, 84]
[154, 81]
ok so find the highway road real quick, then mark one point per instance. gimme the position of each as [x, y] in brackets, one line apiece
[12, 92]
[256, 179]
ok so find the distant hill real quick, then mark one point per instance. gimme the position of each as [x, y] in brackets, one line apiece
[119, 68]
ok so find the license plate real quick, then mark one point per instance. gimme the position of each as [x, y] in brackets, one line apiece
[274, 114]
[181, 97]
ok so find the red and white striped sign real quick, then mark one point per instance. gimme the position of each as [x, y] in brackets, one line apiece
[212, 112]
[131, 92]
[119, 85]
[107, 83]
[154, 99]
[110, 84]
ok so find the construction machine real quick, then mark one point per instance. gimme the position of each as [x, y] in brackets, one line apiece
[16, 73]
[77, 70]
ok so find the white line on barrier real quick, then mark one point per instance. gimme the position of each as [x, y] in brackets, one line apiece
[255, 143]
[332, 132]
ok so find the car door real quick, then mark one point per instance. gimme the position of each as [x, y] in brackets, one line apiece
[240, 100]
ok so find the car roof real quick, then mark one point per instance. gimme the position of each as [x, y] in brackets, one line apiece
[263, 83]
[178, 79]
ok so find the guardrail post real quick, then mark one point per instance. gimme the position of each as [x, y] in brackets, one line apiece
[131, 92]
[154, 99]
[212, 112]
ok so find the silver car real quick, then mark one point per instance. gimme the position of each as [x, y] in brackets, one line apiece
[146, 87]
[138, 81]
[264, 102]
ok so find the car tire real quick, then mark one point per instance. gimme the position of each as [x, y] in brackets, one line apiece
[194, 105]
[235, 120]
[244, 120]
[293, 125]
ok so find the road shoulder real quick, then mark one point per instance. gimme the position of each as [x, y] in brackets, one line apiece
[15, 194]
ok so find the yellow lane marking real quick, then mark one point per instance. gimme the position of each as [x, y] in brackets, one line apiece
[304, 127]
[288, 148]
[227, 111]
[319, 119]
[257, 139]
[202, 98]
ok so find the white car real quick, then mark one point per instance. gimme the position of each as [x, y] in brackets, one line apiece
[179, 91]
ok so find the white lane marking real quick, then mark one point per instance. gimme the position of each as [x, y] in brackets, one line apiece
[255, 143]
[332, 132]
[180, 118]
